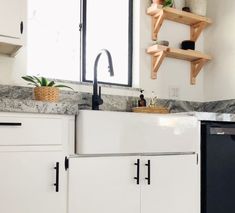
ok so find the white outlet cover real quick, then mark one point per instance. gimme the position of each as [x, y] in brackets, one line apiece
[174, 92]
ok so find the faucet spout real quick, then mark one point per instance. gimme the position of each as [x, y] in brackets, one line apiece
[96, 98]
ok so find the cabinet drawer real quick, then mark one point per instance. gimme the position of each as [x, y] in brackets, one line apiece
[24, 130]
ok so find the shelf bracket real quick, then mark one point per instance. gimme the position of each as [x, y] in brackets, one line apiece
[196, 67]
[157, 21]
[196, 30]
[157, 60]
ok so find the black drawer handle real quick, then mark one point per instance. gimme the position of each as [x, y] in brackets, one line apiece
[57, 169]
[10, 124]
[148, 178]
[137, 178]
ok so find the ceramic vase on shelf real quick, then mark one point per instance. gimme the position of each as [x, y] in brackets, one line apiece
[158, 2]
[197, 6]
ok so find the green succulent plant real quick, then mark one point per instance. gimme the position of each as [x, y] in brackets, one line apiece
[42, 82]
[168, 3]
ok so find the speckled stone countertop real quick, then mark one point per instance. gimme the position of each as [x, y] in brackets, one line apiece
[211, 116]
[20, 99]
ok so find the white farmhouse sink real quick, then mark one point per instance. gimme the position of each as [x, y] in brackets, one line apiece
[104, 132]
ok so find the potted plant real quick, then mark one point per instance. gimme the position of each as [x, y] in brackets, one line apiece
[165, 3]
[168, 3]
[44, 90]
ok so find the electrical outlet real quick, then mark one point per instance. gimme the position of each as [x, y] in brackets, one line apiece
[174, 92]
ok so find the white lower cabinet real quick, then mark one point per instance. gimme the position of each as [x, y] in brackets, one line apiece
[173, 184]
[146, 184]
[33, 147]
[27, 182]
[103, 184]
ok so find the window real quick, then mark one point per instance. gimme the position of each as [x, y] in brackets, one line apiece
[108, 25]
[59, 47]
[53, 45]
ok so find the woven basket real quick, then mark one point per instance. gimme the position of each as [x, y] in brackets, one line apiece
[50, 94]
[156, 109]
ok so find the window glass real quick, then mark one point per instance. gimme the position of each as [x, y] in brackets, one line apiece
[53, 39]
[107, 27]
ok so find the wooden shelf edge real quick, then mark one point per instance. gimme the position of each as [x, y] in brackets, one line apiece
[155, 8]
[159, 14]
[197, 59]
[188, 55]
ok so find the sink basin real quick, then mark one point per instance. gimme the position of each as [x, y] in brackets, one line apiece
[104, 132]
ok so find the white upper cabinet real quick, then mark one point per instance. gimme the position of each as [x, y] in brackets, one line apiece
[11, 25]
[10, 18]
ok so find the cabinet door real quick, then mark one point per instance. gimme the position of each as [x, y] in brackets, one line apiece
[11, 17]
[173, 184]
[27, 182]
[103, 184]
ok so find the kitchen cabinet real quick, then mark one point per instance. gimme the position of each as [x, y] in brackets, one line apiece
[32, 162]
[173, 185]
[11, 25]
[103, 184]
[146, 184]
[27, 182]
[10, 18]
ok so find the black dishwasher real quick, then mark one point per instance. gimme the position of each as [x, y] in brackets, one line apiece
[217, 167]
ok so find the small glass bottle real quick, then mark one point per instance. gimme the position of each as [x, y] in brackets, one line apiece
[152, 100]
[141, 101]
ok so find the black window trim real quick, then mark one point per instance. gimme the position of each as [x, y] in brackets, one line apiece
[84, 42]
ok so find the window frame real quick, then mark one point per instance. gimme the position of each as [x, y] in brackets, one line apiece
[83, 30]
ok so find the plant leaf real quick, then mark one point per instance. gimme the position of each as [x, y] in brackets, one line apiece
[63, 86]
[51, 84]
[38, 80]
[168, 3]
[43, 82]
[29, 79]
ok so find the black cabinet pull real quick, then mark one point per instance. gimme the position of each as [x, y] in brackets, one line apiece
[137, 178]
[21, 27]
[148, 178]
[10, 124]
[57, 169]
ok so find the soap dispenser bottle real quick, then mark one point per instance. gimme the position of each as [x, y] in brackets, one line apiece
[141, 101]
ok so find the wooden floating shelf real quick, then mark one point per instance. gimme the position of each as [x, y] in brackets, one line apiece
[159, 14]
[197, 59]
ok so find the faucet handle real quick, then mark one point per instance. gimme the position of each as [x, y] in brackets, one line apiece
[100, 99]
[100, 91]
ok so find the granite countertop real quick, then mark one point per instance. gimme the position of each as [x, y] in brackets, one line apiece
[32, 106]
[20, 99]
[211, 116]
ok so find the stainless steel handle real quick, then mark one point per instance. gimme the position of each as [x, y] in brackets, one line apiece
[222, 131]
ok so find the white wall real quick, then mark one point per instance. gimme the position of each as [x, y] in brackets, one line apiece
[172, 73]
[220, 43]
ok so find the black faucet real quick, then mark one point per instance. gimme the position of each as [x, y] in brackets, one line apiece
[96, 99]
